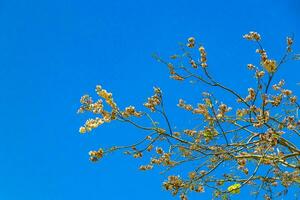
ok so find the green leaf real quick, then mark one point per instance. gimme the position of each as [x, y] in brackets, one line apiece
[234, 189]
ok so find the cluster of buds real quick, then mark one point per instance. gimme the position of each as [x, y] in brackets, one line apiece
[289, 43]
[191, 42]
[96, 155]
[192, 175]
[155, 161]
[183, 197]
[107, 96]
[138, 154]
[159, 150]
[91, 124]
[195, 145]
[174, 75]
[290, 122]
[286, 92]
[270, 65]
[242, 164]
[174, 183]
[270, 136]
[164, 158]
[149, 148]
[279, 85]
[131, 111]
[209, 133]
[154, 100]
[86, 104]
[252, 36]
[190, 132]
[287, 178]
[242, 112]
[293, 99]
[196, 188]
[201, 109]
[276, 100]
[251, 94]
[194, 64]
[184, 151]
[259, 74]
[263, 54]
[250, 66]
[146, 167]
[223, 109]
[203, 58]
[97, 107]
[185, 106]
[262, 118]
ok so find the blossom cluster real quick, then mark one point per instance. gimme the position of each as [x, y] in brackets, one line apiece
[154, 100]
[87, 104]
[252, 35]
[96, 155]
[203, 57]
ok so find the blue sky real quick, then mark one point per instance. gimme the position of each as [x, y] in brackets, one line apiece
[52, 52]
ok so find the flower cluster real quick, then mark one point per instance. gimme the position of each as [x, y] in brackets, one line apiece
[185, 106]
[251, 94]
[146, 167]
[252, 36]
[91, 124]
[209, 133]
[174, 183]
[222, 110]
[203, 57]
[107, 96]
[190, 132]
[154, 100]
[262, 118]
[96, 155]
[270, 65]
[131, 111]
[259, 74]
[279, 85]
[191, 42]
[87, 104]
[194, 64]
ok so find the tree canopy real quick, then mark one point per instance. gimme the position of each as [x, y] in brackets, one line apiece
[253, 142]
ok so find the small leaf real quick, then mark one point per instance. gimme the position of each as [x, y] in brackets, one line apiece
[234, 189]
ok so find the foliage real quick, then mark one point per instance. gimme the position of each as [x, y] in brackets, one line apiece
[256, 139]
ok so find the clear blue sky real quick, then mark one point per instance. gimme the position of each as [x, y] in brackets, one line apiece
[52, 52]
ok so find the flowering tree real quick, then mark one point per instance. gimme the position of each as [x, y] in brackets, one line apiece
[252, 144]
